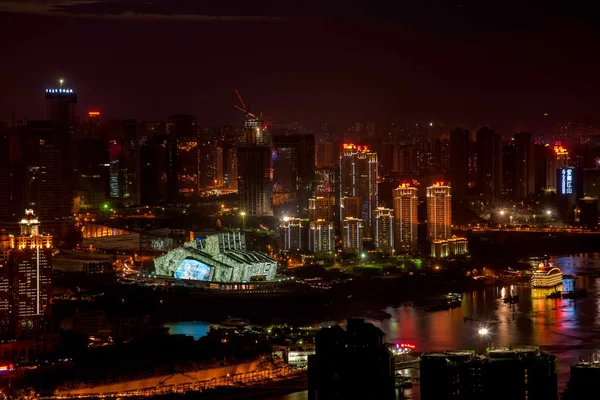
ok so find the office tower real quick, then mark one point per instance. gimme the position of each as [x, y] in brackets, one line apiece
[294, 166]
[149, 130]
[524, 166]
[232, 169]
[489, 165]
[254, 169]
[406, 203]
[326, 154]
[293, 234]
[183, 146]
[345, 360]
[358, 178]
[93, 172]
[439, 211]
[384, 230]
[322, 238]
[30, 264]
[211, 165]
[352, 232]
[558, 158]
[61, 112]
[509, 167]
[321, 207]
[459, 162]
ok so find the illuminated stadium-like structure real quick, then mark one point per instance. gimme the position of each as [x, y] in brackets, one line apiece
[218, 258]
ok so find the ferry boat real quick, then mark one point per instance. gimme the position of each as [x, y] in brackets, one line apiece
[546, 276]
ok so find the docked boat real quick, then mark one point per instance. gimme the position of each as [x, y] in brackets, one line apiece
[575, 294]
[546, 276]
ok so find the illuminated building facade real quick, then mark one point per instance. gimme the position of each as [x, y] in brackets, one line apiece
[559, 158]
[211, 165]
[217, 258]
[30, 269]
[441, 248]
[293, 234]
[255, 169]
[352, 232]
[351, 207]
[358, 178]
[321, 207]
[439, 211]
[384, 230]
[406, 203]
[322, 238]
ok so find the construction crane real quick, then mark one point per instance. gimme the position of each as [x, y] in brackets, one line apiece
[244, 109]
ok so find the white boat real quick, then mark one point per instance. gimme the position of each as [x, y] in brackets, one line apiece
[546, 276]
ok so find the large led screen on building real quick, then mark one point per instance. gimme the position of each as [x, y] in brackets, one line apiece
[192, 269]
[565, 181]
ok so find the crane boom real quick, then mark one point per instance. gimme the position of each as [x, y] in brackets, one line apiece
[241, 101]
[246, 112]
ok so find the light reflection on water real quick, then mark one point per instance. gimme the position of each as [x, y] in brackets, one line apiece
[567, 328]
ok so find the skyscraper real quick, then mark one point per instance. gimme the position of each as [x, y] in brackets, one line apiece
[30, 265]
[439, 211]
[524, 166]
[293, 234]
[294, 166]
[322, 238]
[358, 178]
[384, 230]
[352, 232]
[211, 169]
[232, 169]
[459, 162]
[254, 169]
[183, 143]
[489, 165]
[321, 207]
[405, 219]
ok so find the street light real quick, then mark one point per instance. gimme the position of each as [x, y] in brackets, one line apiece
[548, 212]
[243, 214]
[483, 331]
[502, 212]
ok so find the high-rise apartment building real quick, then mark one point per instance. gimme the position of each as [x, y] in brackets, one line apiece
[358, 178]
[489, 165]
[406, 203]
[321, 207]
[352, 235]
[384, 230]
[322, 238]
[459, 162]
[293, 234]
[559, 158]
[254, 169]
[351, 207]
[211, 165]
[439, 211]
[326, 154]
[524, 166]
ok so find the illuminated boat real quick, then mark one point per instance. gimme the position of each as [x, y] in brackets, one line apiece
[546, 276]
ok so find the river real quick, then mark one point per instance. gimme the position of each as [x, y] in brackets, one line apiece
[567, 328]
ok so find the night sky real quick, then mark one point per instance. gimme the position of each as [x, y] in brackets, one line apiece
[498, 63]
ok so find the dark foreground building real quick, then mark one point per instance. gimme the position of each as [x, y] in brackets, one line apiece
[583, 384]
[351, 364]
[506, 373]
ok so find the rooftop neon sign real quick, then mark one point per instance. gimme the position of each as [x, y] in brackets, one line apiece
[59, 91]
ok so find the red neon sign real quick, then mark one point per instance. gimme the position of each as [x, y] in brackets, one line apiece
[93, 113]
